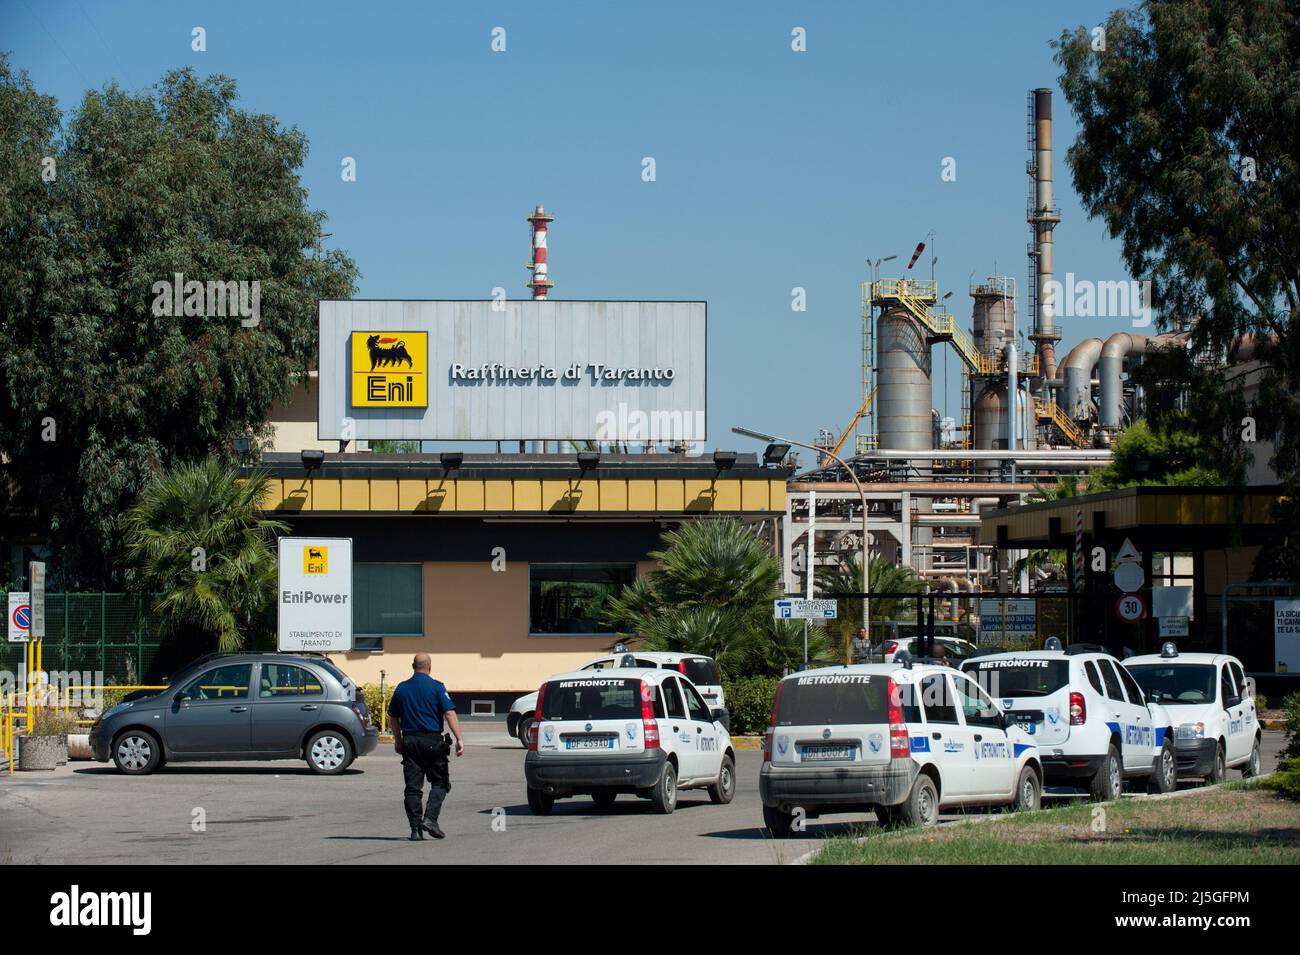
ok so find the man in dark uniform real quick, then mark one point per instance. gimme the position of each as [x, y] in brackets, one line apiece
[417, 709]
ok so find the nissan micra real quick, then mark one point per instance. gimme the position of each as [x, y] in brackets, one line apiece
[631, 730]
[902, 740]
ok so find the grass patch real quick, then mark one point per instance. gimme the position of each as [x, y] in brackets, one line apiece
[1237, 824]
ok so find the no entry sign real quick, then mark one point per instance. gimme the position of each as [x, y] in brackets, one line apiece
[20, 617]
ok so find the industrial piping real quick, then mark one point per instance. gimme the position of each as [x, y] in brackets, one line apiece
[540, 283]
[1111, 366]
[1077, 381]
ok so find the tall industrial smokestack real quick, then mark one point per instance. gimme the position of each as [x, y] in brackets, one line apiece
[540, 282]
[1043, 217]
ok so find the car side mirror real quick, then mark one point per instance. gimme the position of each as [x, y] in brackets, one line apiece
[179, 697]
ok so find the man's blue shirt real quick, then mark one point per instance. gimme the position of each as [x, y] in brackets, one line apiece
[420, 703]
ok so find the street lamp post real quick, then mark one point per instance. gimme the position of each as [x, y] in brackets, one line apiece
[866, 536]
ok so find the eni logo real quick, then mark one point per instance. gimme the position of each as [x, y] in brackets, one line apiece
[390, 369]
[315, 560]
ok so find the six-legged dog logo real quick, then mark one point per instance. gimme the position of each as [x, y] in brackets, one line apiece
[386, 351]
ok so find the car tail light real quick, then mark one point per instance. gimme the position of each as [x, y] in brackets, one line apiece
[649, 725]
[681, 667]
[537, 718]
[361, 715]
[900, 747]
[891, 646]
[1078, 710]
[771, 723]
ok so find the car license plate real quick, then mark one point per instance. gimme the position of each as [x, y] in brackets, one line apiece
[1026, 725]
[589, 742]
[811, 754]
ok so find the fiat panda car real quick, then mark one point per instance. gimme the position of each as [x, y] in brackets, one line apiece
[1093, 725]
[630, 730]
[1212, 705]
[700, 670]
[903, 741]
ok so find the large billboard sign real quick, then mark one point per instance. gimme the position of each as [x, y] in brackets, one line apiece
[314, 600]
[502, 371]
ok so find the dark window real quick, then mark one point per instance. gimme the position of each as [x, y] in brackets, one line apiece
[1112, 681]
[570, 598]
[592, 698]
[975, 704]
[229, 682]
[1134, 694]
[1240, 677]
[1093, 678]
[673, 699]
[1226, 690]
[388, 600]
[701, 671]
[1024, 676]
[696, 705]
[936, 697]
[280, 681]
[1192, 684]
[814, 699]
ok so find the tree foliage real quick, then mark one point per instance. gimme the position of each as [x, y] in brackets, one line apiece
[196, 543]
[712, 594]
[97, 393]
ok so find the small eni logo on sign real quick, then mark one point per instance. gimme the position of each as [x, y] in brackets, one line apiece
[315, 560]
[390, 369]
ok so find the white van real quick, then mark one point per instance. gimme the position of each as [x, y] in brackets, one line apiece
[644, 732]
[904, 741]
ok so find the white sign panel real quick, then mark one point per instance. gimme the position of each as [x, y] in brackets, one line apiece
[20, 617]
[1129, 577]
[804, 609]
[521, 370]
[37, 584]
[1286, 635]
[315, 594]
[1173, 627]
[1171, 601]
[1018, 623]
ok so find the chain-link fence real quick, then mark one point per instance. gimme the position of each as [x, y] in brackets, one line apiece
[103, 633]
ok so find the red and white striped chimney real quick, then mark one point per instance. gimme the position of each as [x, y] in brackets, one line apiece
[540, 282]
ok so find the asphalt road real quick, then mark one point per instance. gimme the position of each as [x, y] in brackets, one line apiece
[259, 813]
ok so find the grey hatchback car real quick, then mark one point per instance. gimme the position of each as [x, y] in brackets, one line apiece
[241, 706]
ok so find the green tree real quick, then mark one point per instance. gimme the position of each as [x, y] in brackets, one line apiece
[197, 544]
[712, 594]
[1187, 151]
[98, 393]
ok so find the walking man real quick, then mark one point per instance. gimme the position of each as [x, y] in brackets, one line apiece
[417, 710]
[860, 647]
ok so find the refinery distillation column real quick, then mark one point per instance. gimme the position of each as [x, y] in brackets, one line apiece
[1043, 217]
[540, 283]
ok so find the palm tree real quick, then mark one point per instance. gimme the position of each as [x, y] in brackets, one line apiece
[197, 543]
[845, 577]
[712, 594]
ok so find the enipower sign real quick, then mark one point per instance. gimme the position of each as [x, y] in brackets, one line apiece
[315, 594]
[526, 370]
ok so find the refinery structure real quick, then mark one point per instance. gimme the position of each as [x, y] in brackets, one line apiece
[1027, 416]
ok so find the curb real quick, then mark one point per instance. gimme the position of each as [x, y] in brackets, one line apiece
[747, 742]
[1276, 725]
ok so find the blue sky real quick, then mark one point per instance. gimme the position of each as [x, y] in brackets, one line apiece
[775, 169]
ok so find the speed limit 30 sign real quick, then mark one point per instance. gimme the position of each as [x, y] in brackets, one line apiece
[1130, 608]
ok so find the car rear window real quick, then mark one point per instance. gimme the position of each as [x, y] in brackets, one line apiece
[701, 671]
[829, 698]
[1019, 676]
[592, 698]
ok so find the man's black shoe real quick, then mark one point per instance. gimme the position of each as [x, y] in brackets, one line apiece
[432, 829]
[417, 835]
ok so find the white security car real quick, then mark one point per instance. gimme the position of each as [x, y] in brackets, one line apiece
[1212, 704]
[702, 671]
[902, 740]
[955, 649]
[1093, 725]
[647, 732]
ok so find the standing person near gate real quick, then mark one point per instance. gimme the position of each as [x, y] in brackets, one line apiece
[418, 708]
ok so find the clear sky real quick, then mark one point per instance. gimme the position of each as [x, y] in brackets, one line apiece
[774, 168]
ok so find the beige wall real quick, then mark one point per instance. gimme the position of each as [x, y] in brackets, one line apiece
[294, 422]
[476, 628]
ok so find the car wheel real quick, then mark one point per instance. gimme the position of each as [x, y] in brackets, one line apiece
[664, 796]
[525, 727]
[329, 752]
[779, 824]
[1219, 771]
[1108, 783]
[921, 808]
[1029, 791]
[539, 802]
[604, 799]
[137, 753]
[1165, 777]
[1252, 765]
[722, 793]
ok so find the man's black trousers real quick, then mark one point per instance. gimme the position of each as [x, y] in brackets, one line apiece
[425, 757]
